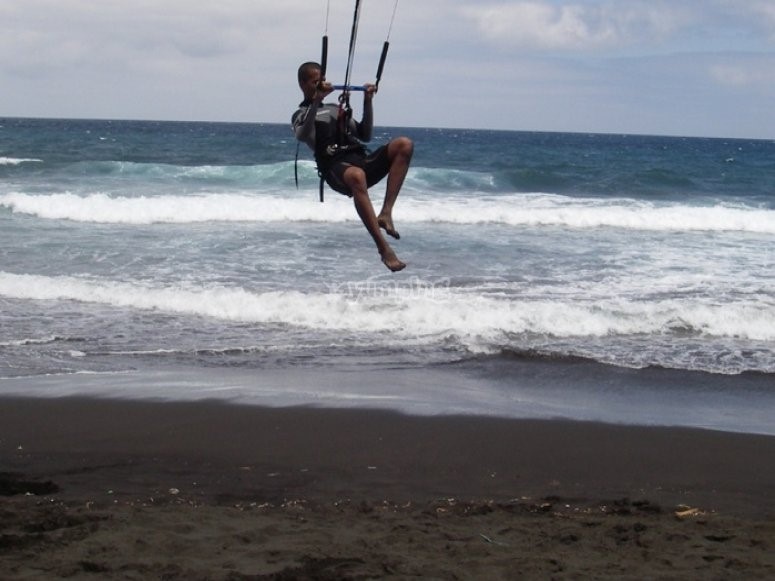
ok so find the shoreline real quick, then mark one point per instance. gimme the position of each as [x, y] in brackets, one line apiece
[331, 483]
[536, 389]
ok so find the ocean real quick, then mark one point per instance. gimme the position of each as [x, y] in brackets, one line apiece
[618, 278]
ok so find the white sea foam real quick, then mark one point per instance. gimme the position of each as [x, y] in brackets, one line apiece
[170, 209]
[554, 210]
[478, 321]
[31, 341]
[532, 210]
[18, 160]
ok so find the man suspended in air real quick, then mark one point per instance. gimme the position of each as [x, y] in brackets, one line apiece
[344, 163]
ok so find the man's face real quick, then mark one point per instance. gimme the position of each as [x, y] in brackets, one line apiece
[310, 84]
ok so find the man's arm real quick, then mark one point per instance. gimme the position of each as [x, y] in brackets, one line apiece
[366, 126]
[305, 131]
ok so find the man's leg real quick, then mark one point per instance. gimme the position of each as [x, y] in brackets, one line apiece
[355, 178]
[399, 153]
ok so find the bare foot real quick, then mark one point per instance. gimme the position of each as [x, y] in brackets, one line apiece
[386, 223]
[390, 260]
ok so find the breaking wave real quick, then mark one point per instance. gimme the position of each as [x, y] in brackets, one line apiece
[532, 210]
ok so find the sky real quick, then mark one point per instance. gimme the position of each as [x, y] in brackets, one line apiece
[660, 67]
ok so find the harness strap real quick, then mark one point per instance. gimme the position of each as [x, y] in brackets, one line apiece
[296, 164]
[343, 122]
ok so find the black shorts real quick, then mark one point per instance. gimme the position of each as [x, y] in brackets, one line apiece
[376, 166]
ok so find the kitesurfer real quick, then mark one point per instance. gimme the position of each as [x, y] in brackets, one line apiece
[342, 160]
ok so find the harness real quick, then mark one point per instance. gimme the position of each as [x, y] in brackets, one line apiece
[333, 140]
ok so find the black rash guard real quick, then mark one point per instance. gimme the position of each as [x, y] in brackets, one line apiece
[324, 139]
[335, 153]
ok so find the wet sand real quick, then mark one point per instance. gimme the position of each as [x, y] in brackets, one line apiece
[105, 489]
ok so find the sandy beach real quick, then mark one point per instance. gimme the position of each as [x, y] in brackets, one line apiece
[104, 489]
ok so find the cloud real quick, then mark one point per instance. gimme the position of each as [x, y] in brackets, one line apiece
[545, 25]
[148, 59]
[663, 66]
[764, 12]
[745, 71]
[47, 34]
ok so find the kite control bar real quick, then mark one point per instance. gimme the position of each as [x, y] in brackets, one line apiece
[349, 87]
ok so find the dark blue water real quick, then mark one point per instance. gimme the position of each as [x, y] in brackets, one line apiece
[548, 273]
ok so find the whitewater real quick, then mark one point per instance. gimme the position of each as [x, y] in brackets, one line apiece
[511, 210]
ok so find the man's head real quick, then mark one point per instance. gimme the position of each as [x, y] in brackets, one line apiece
[307, 70]
[310, 75]
[312, 82]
